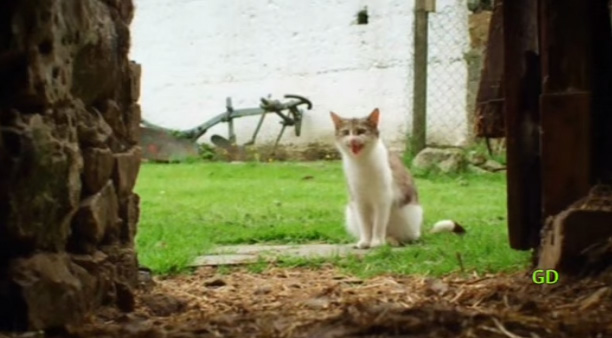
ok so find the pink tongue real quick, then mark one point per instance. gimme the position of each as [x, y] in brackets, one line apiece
[356, 147]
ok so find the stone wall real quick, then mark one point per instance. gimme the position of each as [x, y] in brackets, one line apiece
[68, 160]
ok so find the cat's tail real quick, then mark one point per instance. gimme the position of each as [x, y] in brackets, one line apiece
[448, 225]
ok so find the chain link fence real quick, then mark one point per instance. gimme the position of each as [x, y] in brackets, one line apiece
[450, 42]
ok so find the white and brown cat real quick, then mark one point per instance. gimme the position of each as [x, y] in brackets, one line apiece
[384, 202]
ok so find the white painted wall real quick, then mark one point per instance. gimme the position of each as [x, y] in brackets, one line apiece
[195, 53]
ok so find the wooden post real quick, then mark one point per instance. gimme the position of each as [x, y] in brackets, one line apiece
[602, 100]
[576, 48]
[419, 103]
[521, 92]
[566, 47]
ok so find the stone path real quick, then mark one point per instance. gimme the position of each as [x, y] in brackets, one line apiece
[246, 254]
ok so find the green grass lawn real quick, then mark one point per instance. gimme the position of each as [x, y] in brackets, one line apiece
[188, 208]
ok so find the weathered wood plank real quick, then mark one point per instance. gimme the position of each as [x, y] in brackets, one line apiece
[566, 47]
[490, 98]
[602, 90]
[521, 91]
[570, 234]
[578, 239]
[576, 46]
[566, 144]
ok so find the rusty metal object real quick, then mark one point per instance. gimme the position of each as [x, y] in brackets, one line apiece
[163, 144]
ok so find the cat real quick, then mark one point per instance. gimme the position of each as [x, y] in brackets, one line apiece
[384, 202]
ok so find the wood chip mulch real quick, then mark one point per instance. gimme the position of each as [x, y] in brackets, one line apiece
[324, 303]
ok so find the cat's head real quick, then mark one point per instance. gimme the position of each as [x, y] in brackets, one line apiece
[356, 136]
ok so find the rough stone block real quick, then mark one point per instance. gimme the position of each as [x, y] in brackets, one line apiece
[71, 50]
[97, 59]
[124, 8]
[135, 74]
[43, 181]
[133, 119]
[53, 290]
[97, 215]
[126, 263]
[98, 166]
[130, 215]
[127, 166]
[111, 111]
[446, 160]
[92, 129]
[64, 62]
[99, 266]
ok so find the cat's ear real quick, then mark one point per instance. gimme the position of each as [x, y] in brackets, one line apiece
[337, 119]
[374, 117]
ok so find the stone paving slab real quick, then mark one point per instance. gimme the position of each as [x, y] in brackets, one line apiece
[247, 254]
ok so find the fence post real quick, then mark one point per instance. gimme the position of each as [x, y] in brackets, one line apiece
[419, 97]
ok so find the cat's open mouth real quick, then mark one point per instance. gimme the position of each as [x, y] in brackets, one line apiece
[356, 147]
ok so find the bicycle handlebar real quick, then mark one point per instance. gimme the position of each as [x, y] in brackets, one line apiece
[275, 105]
[302, 100]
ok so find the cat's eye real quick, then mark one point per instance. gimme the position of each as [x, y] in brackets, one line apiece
[361, 131]
[344, 132]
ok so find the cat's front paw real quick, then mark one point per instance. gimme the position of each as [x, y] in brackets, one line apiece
[392, 241]
[362, 244]
[377, 243]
